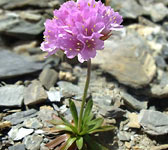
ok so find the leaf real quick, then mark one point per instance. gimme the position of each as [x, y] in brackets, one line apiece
[102, 129]
[92, 144]
[88, 110]
[96, 123]
[74, 112]
[57, 141]
[79, 143]
[62, 127]
[69, 142]
[55, 122]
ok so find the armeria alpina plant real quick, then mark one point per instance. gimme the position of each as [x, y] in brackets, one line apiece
[79, 29]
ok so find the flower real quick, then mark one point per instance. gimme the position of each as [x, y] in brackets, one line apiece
[80, 28]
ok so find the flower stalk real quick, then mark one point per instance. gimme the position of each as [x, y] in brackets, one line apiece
[84, 94]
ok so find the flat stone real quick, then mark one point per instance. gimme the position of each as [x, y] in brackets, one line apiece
[19, 117]
[13, 65]
[153, 122]
[127, 9]
[157, 11]
[19, 133]
[114, 112]
[133, 121]
[11, 95]
[26, 30]
[132, 102]
[70, 90]
[128, 60]
[48, 78]
[124, 136]
[34, 94]
[32, 142]
[54, 95]
[33, 123]
[17, 147]
[159, 91]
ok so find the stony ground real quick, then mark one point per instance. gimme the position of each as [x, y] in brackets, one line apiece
[129, 82]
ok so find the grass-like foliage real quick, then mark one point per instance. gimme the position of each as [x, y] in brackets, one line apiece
[71, 137]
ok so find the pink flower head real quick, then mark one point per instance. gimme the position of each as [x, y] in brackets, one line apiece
[80, 28]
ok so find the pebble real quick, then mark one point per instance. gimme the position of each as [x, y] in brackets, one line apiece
[19, 133]
[32, 142]
[153, 122]
[48, 78]
[34, 94]
[33, 123]
[54, 95]
[133, 121]
[17, 147]
[11, 95]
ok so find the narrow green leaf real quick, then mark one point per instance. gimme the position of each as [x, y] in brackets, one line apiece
[70, 141]
[79, 143]
[88, 110]
[102, 129]
[74, 112]
[55, 122]
[63, 128]
[96, 123]
[92, 144]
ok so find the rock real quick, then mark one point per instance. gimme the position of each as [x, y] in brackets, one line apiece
[157, 11]
[22, 48]
[127, 9]
[54, 95]
[17, 147]
[48, 78]
[30, 16]
[160, 62]
[130, 101]
[70, 90]
[26, 30]
[19, 117]
[165, 26]
[67, 76]
[33, 123]
[124, 136]
[159, 91]
[13, 65]
[32, 142]
[153, 122]
[133, 121]
[45, 114]
[34, 94]
[114, 112]
[129, 62]
[17, 134]
[11, 95]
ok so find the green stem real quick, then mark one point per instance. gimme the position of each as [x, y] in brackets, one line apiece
[84, 95]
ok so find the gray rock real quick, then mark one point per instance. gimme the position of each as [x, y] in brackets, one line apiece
[157, 11]
[129, 62]
[17, 147]
[165, 26]
[19, 133]
[34, 94]
[45, 115]
[54, 95]
[124, 136]
[114, 112]
[33, 123]
[13, 65]
[26, 30]
[32, 142]
[70, 90]
[48, 78]
[159, 91]
[19, 117]
[153, 122]
[160, 62]
[132, 102]
[11, 95]
[128, 9]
